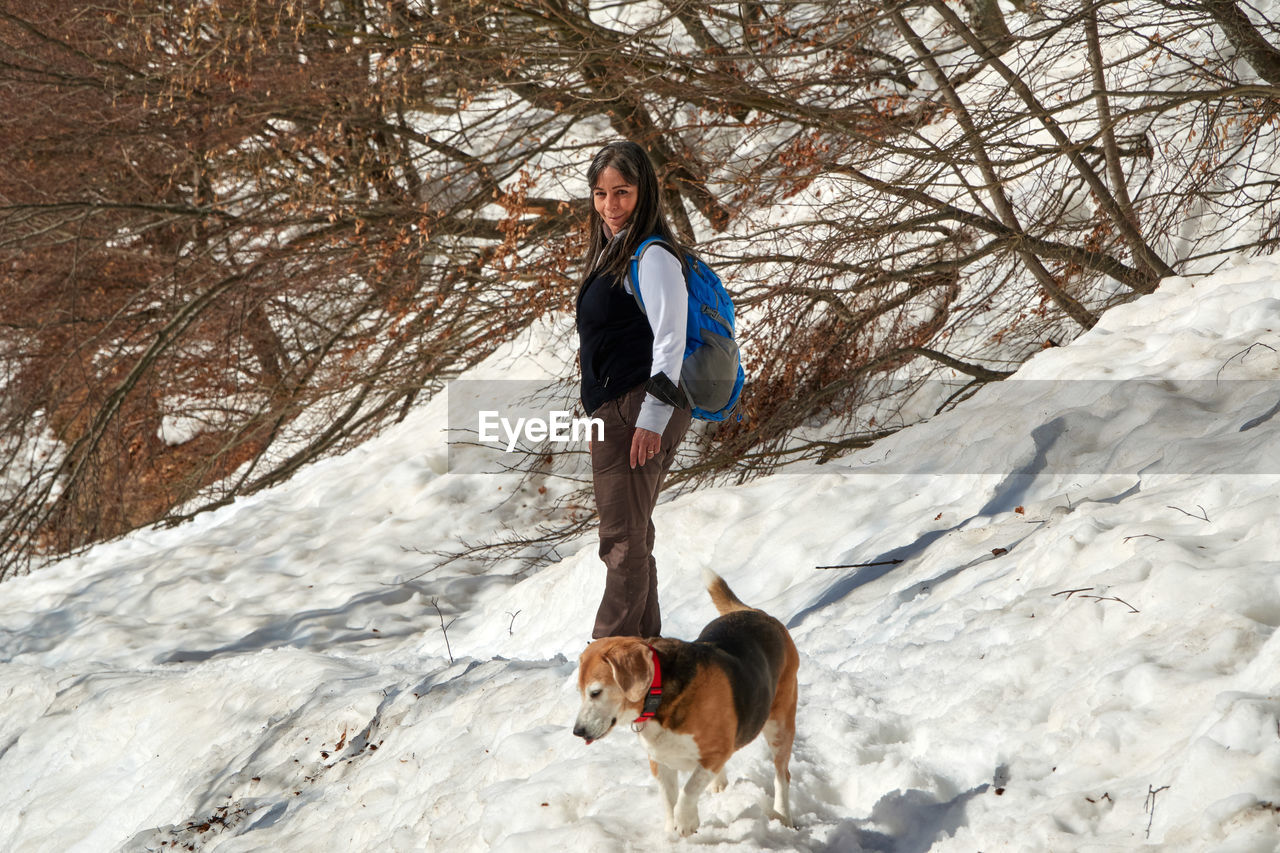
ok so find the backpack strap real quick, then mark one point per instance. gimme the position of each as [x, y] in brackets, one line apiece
[635, 267]
[660, 386]
[635, 281]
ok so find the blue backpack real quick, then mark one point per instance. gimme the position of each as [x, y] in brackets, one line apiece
[711, 375]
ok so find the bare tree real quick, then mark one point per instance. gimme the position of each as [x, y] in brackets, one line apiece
[1245, 37]
[237, 237]
[228, 251]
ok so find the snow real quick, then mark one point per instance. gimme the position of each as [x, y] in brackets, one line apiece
[1054, 629]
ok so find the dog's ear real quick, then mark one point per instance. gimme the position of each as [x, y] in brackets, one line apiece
[582, 666]
[632, 668]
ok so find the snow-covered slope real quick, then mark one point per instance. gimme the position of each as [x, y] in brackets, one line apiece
[1054, 629]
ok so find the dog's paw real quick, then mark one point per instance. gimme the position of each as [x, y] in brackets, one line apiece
[719, 783]
[687, 820]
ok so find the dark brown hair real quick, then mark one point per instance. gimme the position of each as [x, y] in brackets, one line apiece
[614, 256]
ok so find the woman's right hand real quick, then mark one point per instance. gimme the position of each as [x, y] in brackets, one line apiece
[645, 444]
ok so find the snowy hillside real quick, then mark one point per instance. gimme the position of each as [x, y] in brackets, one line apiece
[1054, 629]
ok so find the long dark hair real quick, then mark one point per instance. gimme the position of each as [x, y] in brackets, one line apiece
[614, 256]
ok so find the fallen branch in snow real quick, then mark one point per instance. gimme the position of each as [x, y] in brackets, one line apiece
[535, 549]
[511, 627]
[1144, 536]
[1242, 355]
[1203, 516]
[862, 565]
[1132, 609]
[958, 396]
[444, 629]
[1150, 805]
[1070, 592]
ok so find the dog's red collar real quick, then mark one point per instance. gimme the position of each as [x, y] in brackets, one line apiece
[654, 699]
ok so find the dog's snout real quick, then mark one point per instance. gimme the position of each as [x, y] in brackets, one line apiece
[579, 730]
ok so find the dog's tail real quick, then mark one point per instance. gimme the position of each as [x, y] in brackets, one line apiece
[721, 596]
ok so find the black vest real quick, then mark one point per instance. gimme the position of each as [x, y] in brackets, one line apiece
[615, 340]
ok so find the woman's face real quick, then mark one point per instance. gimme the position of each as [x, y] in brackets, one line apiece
[614, 198]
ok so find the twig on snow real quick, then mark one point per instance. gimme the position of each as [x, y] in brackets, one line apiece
[1150, 805]
[1132, 609]
[444, 628]
[1070, 592]
[862, 565]
[1242, 355]
[1203, 516]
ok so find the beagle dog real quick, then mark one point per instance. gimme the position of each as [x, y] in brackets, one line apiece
[695, 704]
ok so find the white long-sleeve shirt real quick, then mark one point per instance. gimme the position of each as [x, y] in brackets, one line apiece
[666, 303]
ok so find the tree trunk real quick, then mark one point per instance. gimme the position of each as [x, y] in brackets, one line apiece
[1245, 38]
[986, 19]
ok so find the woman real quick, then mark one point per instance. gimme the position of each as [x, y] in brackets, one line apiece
[624, 350]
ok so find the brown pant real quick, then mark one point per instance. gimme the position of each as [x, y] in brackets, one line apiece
[625, 498]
